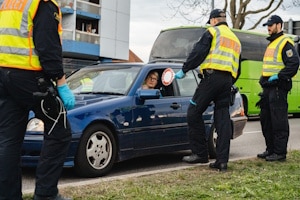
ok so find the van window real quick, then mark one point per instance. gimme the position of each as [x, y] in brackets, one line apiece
[175, 44]
[253, 46]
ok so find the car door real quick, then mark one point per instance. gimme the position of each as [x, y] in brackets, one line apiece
[159, 123]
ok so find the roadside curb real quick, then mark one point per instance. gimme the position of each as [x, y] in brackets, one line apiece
[126, 176]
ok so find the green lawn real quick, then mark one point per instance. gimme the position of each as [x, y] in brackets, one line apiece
[245, 179]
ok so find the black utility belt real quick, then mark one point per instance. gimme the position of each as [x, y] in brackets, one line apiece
[19, 70]
[208, 72]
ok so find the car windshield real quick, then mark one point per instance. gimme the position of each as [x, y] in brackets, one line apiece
[102, 80]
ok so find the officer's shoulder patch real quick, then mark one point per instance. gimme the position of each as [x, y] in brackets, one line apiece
[56, 16]
[289, 53]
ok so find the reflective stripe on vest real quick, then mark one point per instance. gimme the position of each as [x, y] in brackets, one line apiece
[224, 52]
[16, 43]
[272, 62]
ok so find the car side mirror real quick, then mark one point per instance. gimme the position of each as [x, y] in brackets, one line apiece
[144, 94]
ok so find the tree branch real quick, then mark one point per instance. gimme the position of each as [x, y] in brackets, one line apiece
[265, 16]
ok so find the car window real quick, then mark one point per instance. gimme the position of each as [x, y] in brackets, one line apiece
[187, 85]
[166, 91]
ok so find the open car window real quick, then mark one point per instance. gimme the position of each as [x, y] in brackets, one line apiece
[186, 86]
[166, 91]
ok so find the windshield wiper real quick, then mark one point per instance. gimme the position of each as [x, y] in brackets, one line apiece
[110, 93]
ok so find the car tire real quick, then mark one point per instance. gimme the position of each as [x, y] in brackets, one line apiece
[96, 152]
[212, 139]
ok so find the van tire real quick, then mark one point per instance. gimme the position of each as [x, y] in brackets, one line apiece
[245, 103]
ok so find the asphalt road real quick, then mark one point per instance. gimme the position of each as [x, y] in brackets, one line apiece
[243, 147]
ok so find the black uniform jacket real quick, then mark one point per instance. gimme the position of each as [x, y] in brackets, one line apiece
[47, 41]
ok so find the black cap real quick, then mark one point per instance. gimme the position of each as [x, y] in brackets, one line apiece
[274, 19]
[216, 13]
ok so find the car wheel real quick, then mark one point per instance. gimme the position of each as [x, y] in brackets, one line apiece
[96, 152]
[212, 140]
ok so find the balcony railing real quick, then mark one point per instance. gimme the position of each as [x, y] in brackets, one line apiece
[83, 36]
[88, 7]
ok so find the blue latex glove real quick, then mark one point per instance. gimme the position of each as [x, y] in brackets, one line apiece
[180, 74]
[193, 102]
[273, 78]
[66, 95]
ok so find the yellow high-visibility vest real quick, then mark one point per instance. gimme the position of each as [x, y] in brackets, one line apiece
[224, 51]
[272, 62]
[17, 49]
[87, 84]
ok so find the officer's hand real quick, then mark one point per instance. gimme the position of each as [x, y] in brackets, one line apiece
[273, 78]
[180, 74]
[66, 95]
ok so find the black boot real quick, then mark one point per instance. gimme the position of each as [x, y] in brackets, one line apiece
[263, 155]
[194, 158]
[222, 167]
[276, 157]
[57, 197]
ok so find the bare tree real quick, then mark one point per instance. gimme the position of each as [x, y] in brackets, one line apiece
[238, 11]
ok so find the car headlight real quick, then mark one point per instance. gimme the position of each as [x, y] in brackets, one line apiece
[35, 124]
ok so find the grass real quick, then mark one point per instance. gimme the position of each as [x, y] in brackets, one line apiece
[245, 179]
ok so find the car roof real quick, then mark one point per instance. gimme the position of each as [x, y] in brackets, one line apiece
[116, 64]
[138, 65]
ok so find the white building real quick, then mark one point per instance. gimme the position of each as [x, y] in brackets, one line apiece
[94, 30]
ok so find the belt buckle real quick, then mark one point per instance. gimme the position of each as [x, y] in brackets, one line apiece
[209, 71]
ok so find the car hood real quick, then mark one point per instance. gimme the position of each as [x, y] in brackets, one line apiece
[86, 99]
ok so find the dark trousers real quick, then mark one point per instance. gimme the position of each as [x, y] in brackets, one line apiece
[274, 119]
[16, 100]
[214, 87]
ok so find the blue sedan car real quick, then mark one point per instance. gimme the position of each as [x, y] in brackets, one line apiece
[115, 120]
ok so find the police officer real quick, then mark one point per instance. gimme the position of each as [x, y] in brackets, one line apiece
[31, 78]
[280, 64]
[217, 53]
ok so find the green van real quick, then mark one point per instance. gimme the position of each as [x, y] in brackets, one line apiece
[174, 45]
